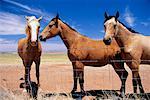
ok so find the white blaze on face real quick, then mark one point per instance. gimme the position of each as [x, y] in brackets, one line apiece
[108, 24]
[34, 25]
[34, 30]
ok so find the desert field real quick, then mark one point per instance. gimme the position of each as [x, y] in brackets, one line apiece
[56, 77]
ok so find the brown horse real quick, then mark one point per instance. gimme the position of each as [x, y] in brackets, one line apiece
[83, 51]
[135, 50]
[29, 48]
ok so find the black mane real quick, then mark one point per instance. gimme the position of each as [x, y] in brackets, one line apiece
[108, 18]
[65, 23]
[130, 29]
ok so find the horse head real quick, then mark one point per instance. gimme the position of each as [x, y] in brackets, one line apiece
[110, 27]
[32, 29]
[51, 30]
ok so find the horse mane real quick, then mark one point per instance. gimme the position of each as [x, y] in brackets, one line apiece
[130, 29]
[70, 27]
[27, 31]
[65, 24]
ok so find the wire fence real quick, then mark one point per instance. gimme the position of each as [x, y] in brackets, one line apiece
[56, 75]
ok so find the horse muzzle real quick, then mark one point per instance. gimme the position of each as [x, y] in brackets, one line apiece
[41, 38]
[107, 41]
[33, 43]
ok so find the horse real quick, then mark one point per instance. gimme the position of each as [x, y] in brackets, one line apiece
[29, 49]
[83, 51]
[134, 47]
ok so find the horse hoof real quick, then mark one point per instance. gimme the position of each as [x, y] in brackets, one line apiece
[122, 95]
[83, 93]
[73, 91]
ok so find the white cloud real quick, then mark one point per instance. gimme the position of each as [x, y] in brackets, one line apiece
[30, 10]
[7, 45]
[11, 47]
[129, 17]
[17, 4]
[102, 31]
[46, 47]
[15, 24]
[11, 24]
[5, 41]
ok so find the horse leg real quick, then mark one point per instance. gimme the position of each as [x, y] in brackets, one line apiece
[27, 65]
[37, 63]
[134, 66]
[140, 84]
[123, 74]
[134, 79]
[81, 81]
[27, 76]
[75, 78]
[80, 73]
[137, 81]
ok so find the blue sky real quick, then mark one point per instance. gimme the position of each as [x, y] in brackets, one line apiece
[86, 16]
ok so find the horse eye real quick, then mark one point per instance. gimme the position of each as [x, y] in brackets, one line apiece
[50, 26]
[115, 26]
[104, 26]
[29, 27]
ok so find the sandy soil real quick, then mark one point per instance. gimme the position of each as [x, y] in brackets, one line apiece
[57, 78]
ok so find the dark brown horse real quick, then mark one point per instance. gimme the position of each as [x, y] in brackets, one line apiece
[135, 47]
[83, 51]
[29, 49]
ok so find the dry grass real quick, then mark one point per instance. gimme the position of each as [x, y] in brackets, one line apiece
[6, 94]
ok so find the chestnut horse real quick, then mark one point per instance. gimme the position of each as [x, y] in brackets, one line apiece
[135, 50]
[83, 51]
[29, 48]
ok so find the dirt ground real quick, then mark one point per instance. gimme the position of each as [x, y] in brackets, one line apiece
[56, 75]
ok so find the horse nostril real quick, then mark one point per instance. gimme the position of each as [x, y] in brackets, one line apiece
[104, 40]
[107, 41]
[41, 38]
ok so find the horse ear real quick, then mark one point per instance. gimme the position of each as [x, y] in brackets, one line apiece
[117, 14]
[57, 17]
[39, 19]
[106, 15]
[27, 18]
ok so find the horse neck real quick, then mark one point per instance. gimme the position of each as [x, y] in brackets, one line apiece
[123, 35]
[68, 35]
